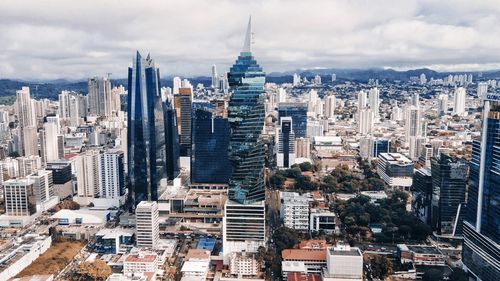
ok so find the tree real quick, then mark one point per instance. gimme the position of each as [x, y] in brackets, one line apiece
[97, 270]
[459, 274]
[277, 180]
[306, 166]
[432, 275]
[381, 266]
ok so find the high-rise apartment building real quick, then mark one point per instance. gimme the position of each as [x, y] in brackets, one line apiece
[374, 102]
[43, 185]
[147, 225]
[365, 121]
[100, 100]
[459, 102]
[442, 104]
[329, 106]
[111, 174]
[151, 139]
[481, 250]
[214, 77]
[210, 143]
[87, 176]
[27, 124]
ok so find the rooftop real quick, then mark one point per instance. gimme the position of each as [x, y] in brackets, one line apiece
[423, 249]
[303, 254]
[141, 258]
[344, 251]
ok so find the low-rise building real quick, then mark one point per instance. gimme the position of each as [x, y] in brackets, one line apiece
[111, 241]
[343, 263]
[396, 170]
[421, 255]
[142, 262]
[322, 220]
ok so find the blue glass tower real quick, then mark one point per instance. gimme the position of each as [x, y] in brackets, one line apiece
[298, 112]
[481, 228]
[147, 132]
[246, 116]
[209, 147]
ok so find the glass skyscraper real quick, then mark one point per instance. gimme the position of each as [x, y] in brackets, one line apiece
[210, 142]
[481, 230]
[246, 116]
[148, 132]
[298, 112]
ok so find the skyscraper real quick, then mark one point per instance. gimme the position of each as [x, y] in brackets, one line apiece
[149, 132]
[298, 112]
[214, 77]
[244, 219]
[481, 252]
[442, 106]
[285, 143]
[26, 122]
[111, 175]
[210, 143]
[459, 102]
[373, 101]
[365, 121]
[182, 104]
[449, 179]
[99, 98]
[20, 197]
[147, 225]
[330, 105]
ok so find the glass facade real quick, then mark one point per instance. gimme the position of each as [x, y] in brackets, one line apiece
[380, 146]
[481, 253]
[246, 117]
[422, 194]
[146, 135]
[209, 149]
[298, 112]
[449, 177]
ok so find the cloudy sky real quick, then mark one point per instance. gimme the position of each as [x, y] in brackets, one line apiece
[68, 39]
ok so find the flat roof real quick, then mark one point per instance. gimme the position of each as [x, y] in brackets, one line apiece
[345, 252]
[422, 249]
[195, 266]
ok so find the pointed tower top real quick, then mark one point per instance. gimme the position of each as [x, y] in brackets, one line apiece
[247, 46]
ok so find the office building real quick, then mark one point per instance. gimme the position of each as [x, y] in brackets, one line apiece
[147, 224]
[244, 228]
[285, 143]
[151, 133]
[298, 112]
[176, 85]
[61, 177]
[459, 102]
[421, 190]
[396, 170]
[481, 251]
[322, 220]
[343, 262]
[20, 197]
[209, 150]
[182, 105]
[449, 184]
[371, 147]
[43, 185]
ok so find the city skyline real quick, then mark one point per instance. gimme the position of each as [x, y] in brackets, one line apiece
[444, 36]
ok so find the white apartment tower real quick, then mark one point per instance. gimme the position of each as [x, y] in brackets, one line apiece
[99, 98]
[374, 102]
[111, 174]
[147, 224]
[365, 121]
[214, 77]
[459, 102]
[294, 210]
[87, 176]
[26, 117]
[330, 105]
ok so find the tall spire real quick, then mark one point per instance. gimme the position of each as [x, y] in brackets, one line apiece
[247, 47]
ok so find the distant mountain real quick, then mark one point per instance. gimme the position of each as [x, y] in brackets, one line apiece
[51, 89]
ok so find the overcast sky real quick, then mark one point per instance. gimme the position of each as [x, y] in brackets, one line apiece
[63, 39]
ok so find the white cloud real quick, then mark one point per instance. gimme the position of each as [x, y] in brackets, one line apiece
[65, 39]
